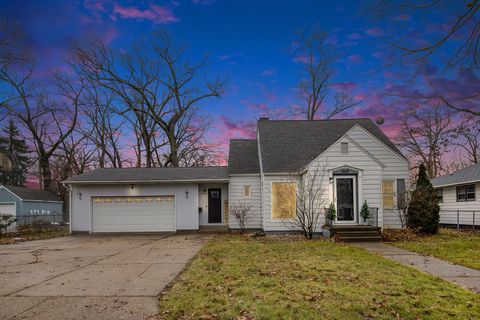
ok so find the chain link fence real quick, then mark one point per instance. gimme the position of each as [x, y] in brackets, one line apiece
[36, 223]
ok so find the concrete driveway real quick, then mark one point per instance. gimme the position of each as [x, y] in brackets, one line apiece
[91, 277]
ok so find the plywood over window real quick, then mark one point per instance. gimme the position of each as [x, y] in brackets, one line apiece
[387, 194]
[283, 200]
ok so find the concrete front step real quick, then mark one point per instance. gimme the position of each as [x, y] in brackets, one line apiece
[357, 233]
[360, 239]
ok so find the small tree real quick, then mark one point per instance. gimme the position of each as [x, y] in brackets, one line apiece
[330, 214]
[15, 148]
[403, 202]
[5, 221]
[242, 212]
[311, 197]
[424, 211]
[365, 212]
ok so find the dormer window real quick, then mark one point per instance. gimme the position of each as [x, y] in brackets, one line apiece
[344, 148]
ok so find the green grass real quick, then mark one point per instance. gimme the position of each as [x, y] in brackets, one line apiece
[30, 236]
[458, 247]
[235, 277]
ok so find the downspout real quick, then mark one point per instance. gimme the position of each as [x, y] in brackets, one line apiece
[69, 207]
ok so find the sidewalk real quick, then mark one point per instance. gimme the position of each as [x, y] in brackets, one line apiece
[466, 277]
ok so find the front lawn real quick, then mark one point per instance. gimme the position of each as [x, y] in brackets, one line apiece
[235, 277]
[458, 247]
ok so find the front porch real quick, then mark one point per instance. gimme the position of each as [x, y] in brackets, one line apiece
[353, 233]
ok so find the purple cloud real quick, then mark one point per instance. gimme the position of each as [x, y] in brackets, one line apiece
[155, 13]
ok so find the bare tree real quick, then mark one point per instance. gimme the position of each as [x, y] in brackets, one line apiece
[315, 88]
[311, 200]
[459, 38]
[158, 85]
[104, 127]
[426, 136]
[467, 137]
[242, 212]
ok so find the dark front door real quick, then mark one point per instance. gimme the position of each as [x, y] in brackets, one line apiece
[345, 193]
[214, 205]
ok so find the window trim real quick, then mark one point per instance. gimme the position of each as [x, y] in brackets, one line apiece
[342, 149]
[271, 201]
[465, 193]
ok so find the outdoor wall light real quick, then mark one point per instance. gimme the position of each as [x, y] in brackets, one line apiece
[79, 196]
[132, 186]
[330, 179]
[186, 194]
[204, 191]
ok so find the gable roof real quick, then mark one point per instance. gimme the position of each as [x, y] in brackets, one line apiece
[470, 174]
[290, 145]
[184, 174]
[32, 194]
[243, 157]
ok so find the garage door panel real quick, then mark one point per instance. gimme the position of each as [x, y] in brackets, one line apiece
[133, 214]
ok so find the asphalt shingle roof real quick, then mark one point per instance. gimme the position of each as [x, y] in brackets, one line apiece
[243, 157]
[33, 194]
[151, 174]
[469, 174]
[288, 146]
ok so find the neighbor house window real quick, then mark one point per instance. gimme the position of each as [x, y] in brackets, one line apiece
[466, 193]
[284, 202]
[246, 191]
[344, 147]
[387, 194]
[439, 195]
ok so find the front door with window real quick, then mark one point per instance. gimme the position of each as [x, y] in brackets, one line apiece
[345, 194]
[215, 205]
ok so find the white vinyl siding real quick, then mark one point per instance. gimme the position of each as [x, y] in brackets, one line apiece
[186, 208]
[449, 207]
[369, 180]
[236, 195]
[133, 214]
[395, 167]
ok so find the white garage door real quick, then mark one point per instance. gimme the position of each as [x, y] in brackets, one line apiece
[133, 214]
[7, 208]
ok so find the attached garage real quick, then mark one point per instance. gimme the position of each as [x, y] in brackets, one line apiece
[133, 214]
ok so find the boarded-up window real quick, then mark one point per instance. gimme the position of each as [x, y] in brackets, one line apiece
[246, 191]
[387, 194]
[283, 200]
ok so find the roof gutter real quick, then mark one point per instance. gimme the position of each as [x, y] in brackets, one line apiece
[66, 182]
[455, 183]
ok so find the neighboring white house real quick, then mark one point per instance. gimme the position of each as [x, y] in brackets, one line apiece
[358, 163]
[457, 195]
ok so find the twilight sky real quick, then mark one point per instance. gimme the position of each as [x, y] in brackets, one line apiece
[250, 42]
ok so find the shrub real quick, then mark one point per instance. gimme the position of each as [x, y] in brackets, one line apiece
[365, 212]
[331, 213]
[423, 212]
[242, 213]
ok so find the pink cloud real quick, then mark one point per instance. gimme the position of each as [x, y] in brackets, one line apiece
[203, 2]
[269, 72]
[374, 32]
[344, 86]
[155, 13]
[301, 59]
[355, 59]
[355, 36]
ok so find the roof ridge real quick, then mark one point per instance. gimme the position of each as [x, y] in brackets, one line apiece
[314, 120]
[160, 168]
[458, 171]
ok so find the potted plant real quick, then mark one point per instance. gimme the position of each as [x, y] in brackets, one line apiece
[365, 212]
[331, 214]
